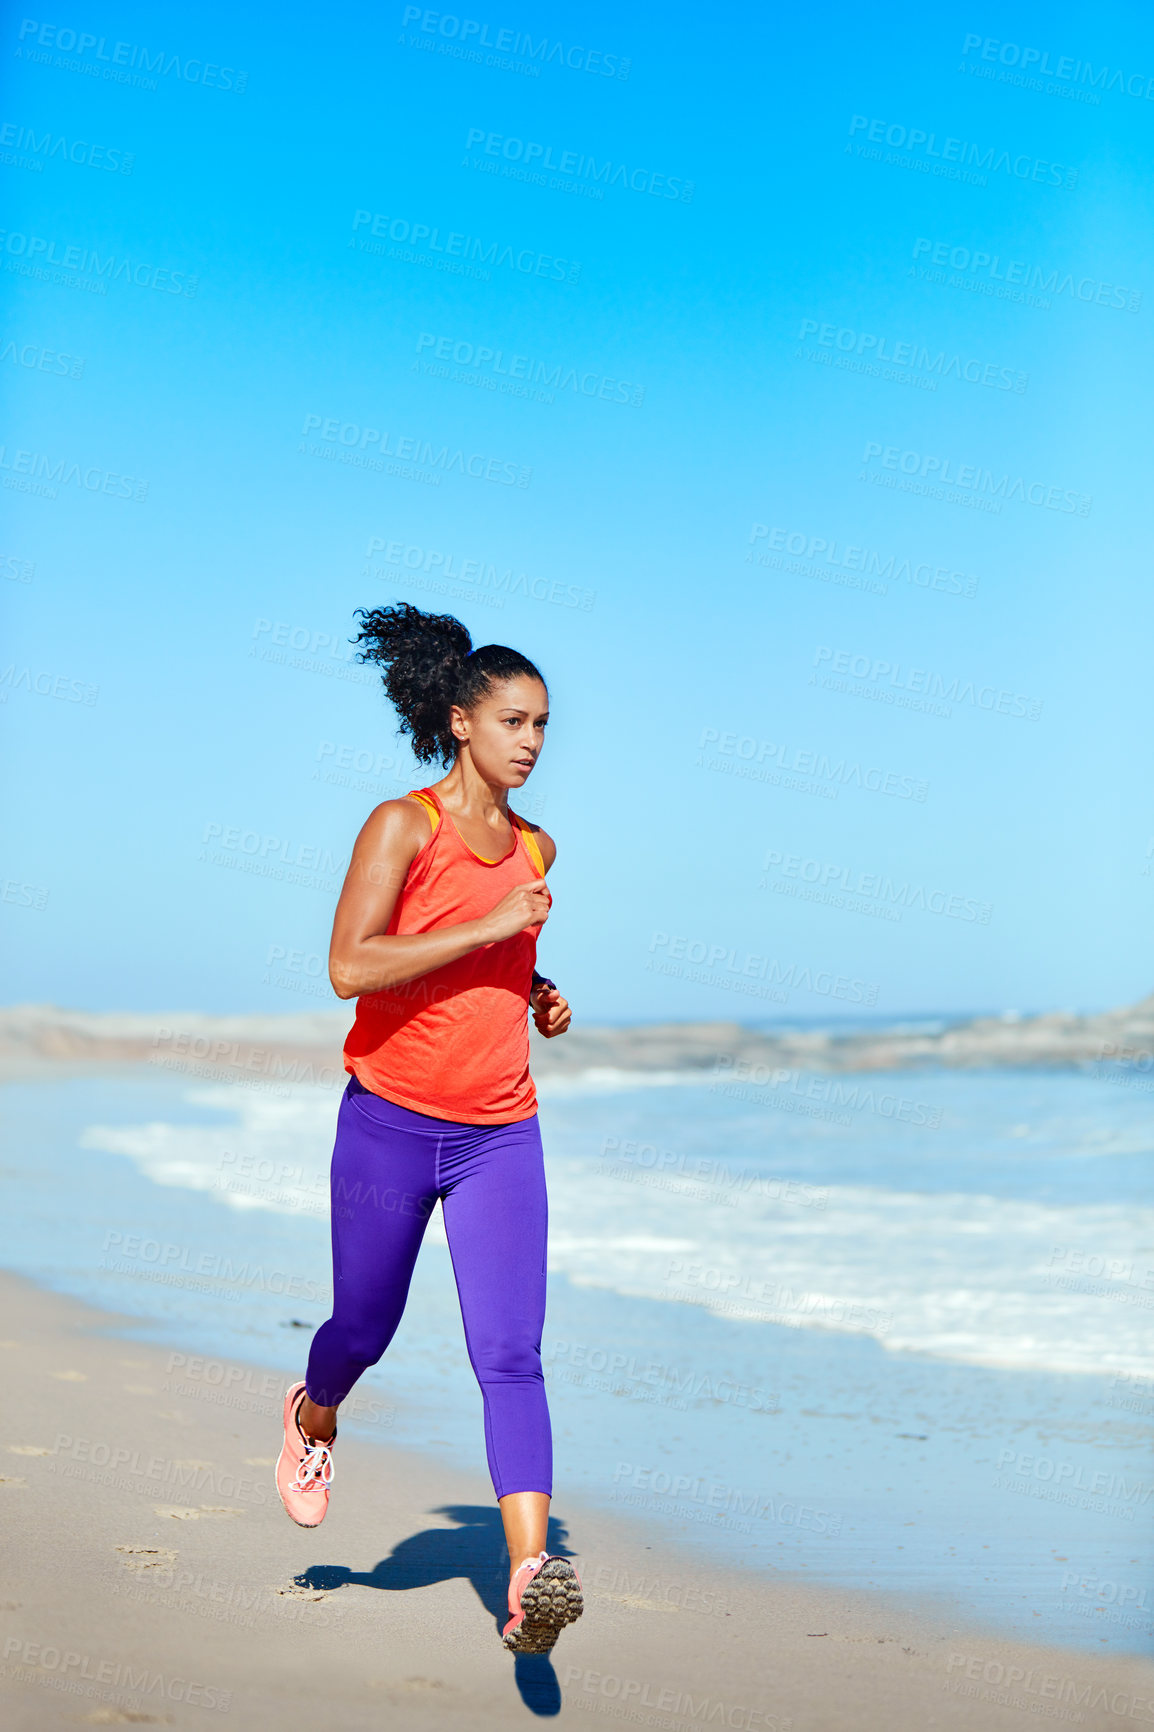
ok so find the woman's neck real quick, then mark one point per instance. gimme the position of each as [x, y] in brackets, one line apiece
[466, 791]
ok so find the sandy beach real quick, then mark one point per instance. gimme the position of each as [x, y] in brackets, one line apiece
[151, 1577]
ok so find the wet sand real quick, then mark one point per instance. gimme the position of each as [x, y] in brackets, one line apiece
[151, 1576]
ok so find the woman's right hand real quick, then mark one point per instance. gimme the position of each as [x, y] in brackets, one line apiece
[525, 905]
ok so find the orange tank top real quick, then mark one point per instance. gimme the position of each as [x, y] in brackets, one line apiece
[454, 1043]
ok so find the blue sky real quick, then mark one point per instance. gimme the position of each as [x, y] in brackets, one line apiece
[807, 460]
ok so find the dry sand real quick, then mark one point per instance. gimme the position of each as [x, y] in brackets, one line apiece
[151, 1577]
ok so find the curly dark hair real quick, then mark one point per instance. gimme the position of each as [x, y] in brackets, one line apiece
[428, 664]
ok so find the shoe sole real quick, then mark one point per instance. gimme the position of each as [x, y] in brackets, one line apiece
[550, 1601]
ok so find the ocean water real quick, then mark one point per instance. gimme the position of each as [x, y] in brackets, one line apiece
[882, 1331]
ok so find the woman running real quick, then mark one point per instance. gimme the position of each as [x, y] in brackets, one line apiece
[435, 936]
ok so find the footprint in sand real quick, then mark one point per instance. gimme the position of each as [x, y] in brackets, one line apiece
[636, 1604]
[180, 1513]
[125, 1717]
[146, 1557]
[406, 1683]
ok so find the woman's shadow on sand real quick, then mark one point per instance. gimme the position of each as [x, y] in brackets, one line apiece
[475, 1548]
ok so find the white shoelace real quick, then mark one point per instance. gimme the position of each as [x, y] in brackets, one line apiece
[315, 1467]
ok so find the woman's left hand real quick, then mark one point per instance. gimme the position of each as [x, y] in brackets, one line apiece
[551, 1013]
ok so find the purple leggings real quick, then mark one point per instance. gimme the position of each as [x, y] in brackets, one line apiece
[389, 1167]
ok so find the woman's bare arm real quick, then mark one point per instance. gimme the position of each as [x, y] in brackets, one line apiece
[363, 956]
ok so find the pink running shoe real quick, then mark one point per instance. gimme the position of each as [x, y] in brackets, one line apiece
[544, 1595]
[304, 1471]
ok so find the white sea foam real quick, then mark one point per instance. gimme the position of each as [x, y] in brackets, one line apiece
[274, 1157]
[959, 1275]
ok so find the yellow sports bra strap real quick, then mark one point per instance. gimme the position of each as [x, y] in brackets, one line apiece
[530, 841]
[429, 805]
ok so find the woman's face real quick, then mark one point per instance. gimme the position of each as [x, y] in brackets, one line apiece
[506, 730]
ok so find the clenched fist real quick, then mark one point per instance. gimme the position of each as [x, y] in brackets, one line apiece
[551, 1012]
[525, 905]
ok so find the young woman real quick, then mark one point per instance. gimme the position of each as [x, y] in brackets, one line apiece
[435, 936]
